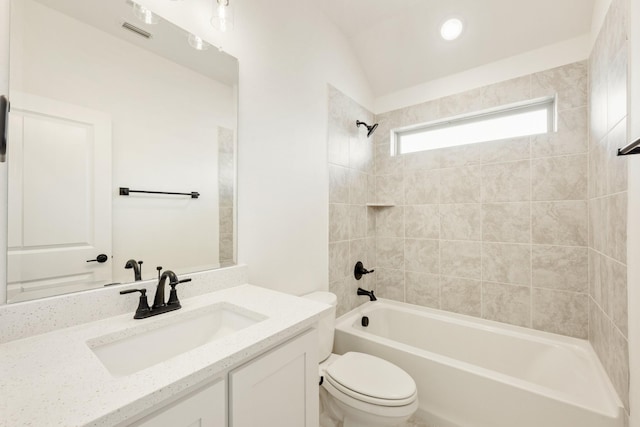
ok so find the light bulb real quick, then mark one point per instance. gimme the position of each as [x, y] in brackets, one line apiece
[145, 15]
[451, 29]
[197, 43]
[222, 18]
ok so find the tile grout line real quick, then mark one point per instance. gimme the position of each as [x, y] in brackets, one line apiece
[482, 302]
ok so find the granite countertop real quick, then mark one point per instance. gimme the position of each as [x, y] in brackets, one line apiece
[55, 379]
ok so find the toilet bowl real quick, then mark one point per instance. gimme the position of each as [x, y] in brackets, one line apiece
[357, 389]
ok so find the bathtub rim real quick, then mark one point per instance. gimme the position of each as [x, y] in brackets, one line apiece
[612, 408]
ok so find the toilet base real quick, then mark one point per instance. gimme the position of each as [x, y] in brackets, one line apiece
[327, 416]
[334, 413]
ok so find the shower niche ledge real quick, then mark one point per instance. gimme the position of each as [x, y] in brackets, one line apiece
[380, 205]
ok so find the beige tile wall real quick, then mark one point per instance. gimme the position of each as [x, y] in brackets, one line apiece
[351, 186]
[497, 230]
[608, 198]
[528, 231]
[226, 172]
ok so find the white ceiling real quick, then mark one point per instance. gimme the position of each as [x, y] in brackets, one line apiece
[399, 46]
[167, 39]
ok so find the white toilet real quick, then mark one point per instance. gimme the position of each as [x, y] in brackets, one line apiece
[359, 390]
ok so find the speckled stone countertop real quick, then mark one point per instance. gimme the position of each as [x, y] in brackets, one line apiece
[54, 379]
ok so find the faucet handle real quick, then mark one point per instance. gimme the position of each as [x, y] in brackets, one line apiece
[143, 304]
[359, 270]
[142, 291]
[173, 294]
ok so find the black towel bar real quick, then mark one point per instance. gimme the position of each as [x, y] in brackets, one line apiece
[633, 148]
[124, 191]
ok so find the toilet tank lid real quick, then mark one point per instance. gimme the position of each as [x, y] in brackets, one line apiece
[328, 298]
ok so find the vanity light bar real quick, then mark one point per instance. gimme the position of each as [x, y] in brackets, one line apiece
[138, 31]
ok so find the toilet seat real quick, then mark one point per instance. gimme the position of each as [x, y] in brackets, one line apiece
[371, 380]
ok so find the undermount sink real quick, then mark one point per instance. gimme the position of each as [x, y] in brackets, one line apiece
[141, 348]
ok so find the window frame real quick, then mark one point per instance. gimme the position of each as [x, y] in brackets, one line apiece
[477, 116]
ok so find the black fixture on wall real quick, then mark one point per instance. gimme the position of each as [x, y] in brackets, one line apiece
[370, 294]
[359, 270]
[370, 129]
[633, 148]
[4, 127]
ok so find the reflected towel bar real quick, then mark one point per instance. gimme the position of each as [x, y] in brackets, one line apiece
[124, 191]
[633, 148]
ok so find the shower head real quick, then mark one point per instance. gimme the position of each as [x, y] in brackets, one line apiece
[369, 128]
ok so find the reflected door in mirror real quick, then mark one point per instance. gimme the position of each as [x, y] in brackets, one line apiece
[59, 197]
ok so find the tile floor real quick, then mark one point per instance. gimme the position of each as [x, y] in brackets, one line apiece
[415, 421]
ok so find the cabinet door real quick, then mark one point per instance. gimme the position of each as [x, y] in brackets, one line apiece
[279, 388]
[203, 408]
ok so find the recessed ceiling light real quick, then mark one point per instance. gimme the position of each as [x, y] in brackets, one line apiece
[451, 29]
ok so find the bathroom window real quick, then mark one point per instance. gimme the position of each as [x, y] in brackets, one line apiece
[509, 121]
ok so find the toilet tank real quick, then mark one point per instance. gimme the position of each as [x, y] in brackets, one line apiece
[326, 323]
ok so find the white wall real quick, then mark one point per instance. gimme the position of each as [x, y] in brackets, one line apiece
[165, 119]
[288, 52]
[633, 237]
[600, 9]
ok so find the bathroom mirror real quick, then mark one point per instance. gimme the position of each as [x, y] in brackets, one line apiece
[104, 106]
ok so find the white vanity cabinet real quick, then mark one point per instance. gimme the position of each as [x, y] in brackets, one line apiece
[267, 371]
[278, 388]
[206, 407]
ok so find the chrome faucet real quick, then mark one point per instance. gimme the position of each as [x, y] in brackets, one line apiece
[159, 305]
[137, 268]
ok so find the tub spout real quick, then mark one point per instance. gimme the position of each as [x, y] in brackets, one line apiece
[370, 294]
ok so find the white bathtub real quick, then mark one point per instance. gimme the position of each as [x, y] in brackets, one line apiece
[476, 373]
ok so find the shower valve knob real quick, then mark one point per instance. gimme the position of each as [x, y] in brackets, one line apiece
[359, 270]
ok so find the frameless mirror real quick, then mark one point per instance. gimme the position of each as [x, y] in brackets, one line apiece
[110, 118]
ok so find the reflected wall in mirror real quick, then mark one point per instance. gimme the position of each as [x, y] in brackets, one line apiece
[96, 107]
